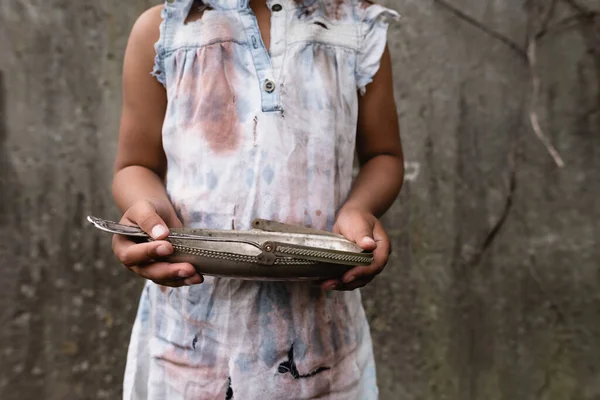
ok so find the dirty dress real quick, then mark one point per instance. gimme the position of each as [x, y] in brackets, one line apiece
[251, 132]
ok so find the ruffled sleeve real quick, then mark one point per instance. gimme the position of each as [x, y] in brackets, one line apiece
[373, 26]
[159, 47]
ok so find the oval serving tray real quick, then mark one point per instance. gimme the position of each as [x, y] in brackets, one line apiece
[269, 251]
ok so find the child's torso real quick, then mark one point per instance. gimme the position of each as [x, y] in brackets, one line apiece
[256, 133]
[252, 132]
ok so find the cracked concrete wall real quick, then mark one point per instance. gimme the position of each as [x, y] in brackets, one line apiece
[492, 291]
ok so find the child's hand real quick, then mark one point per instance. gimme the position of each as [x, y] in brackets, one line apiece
[366, 230]
[144, 259]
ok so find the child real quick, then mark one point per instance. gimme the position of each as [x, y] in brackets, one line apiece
[254, 110]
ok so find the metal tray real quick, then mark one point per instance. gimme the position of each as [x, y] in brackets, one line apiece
[269, 251]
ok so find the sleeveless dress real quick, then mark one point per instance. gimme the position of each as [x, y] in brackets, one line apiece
[256, 133]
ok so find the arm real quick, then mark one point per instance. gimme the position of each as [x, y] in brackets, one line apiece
[141, 164]
[140, 167]
[378, 145]
[379, 180]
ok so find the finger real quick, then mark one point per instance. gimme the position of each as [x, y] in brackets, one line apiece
[144, 215]
[361, 233]
[357, 273]
[330, 284]
[130, 253]
[174, 284]
[196, 279]
[382, 239]
[347, 287]
[120, 244]
[381, 255]
[165, 272]
[380, 258]
[367, 243]
[318, 283]
[336, 229]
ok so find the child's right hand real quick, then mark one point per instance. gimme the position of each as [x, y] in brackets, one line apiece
[144, 259]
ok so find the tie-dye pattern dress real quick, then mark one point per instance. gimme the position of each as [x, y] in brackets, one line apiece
[256, 133]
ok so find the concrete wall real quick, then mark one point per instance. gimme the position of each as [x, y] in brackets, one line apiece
[492, 292]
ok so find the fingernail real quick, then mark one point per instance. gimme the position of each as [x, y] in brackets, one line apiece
[163, 250]
[189, 281]
[332, 286]
[158, 231]
[368, 240]
[193, 281]
[185, 274]
[349, 279]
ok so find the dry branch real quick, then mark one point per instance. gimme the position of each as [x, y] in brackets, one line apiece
[472, 21]
[529, 56]
[535, 88]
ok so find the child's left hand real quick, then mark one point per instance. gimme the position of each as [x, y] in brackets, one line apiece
[366, 230]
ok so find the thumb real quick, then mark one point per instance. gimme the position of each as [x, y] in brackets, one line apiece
[367, 242]
[362, 234]
[145, 215]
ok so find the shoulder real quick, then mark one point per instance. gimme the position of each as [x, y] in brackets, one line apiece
[151, 17]
[147, 27]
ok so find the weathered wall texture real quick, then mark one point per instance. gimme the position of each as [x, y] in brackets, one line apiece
[493, 290]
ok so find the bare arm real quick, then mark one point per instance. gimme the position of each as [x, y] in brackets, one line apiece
[378, 145]
[379, 180]
[141, 165]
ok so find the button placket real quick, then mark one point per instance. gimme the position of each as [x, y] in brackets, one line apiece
[262, 61]
[278, 37]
